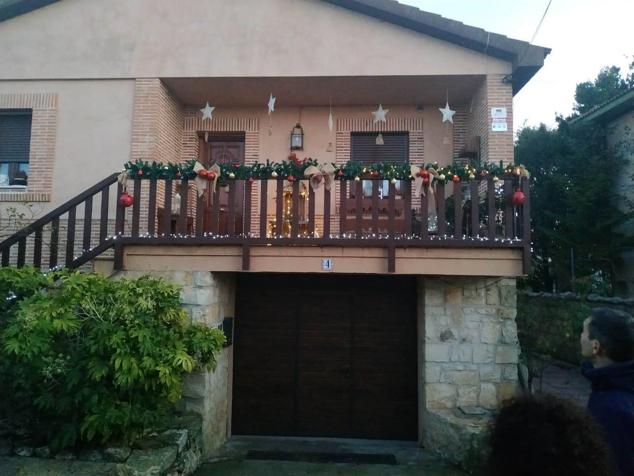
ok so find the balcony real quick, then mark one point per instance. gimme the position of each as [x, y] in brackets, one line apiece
[279, 219]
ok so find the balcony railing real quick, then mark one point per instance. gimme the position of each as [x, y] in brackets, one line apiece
[273, 212]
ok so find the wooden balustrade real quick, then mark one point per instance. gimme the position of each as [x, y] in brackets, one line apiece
[352, 213]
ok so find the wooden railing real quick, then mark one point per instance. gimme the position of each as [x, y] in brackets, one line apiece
[350, 214]
[57, 231]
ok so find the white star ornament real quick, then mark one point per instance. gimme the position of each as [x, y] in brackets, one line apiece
[447, 113]
[207, 111]
[379, 114]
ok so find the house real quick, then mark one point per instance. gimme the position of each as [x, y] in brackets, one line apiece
[617, 115]
[382, 307]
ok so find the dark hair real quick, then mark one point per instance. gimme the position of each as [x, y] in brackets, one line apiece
[546, 436]
[615, 332]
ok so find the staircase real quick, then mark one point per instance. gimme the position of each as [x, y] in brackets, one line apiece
[41, 239]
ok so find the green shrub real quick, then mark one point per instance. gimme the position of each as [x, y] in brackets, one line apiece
[551, 327]
[87, 358]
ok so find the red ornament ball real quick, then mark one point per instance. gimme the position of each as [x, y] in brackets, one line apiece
[518, 198]
[202, 173]
[426, 181]
[424, 174]
[126, 200]
[455, 179]
[290, 178]
[210, 175]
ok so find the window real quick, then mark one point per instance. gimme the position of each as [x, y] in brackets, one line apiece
[15, 140]
[395, 148]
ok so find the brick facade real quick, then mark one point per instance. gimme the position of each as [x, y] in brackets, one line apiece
[494, 146]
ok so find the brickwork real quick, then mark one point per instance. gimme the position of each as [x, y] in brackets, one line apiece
[494, 146]
[42, 146]
[500, 144]
[157, 123]
[459, 130]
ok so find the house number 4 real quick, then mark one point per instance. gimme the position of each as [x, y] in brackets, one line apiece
[327, 264]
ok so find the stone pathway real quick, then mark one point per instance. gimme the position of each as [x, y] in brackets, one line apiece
[566, 382]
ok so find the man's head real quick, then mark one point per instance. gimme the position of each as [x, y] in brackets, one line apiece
[608, 336]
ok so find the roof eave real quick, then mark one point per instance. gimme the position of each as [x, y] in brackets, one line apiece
[21, 7]
[610, 110]
[526, 59]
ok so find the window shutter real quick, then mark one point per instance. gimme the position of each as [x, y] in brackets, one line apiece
[15, 135]
[395, 149]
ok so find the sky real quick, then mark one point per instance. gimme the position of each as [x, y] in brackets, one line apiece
[584, 35]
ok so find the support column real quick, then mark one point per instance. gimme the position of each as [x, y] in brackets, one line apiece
[469, 351]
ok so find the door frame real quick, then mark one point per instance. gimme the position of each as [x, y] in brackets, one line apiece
[237, 137]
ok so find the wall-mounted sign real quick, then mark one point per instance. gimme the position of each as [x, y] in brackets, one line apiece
[327, 264]
[498, 113]
[499, 125]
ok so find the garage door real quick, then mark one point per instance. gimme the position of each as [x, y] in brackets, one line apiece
[325, 356]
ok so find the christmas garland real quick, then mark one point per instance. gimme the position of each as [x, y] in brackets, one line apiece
[294, 168]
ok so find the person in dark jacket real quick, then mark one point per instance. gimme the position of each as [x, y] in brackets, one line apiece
[608, 341]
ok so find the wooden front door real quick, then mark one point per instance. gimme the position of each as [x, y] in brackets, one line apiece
[224, 150]
[331, 356]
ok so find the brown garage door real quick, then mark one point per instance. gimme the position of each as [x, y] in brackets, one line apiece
[327, 355]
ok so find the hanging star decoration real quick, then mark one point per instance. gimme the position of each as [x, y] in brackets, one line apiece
[447, 113]
[207, 111]
[379, 114]
[271, 103]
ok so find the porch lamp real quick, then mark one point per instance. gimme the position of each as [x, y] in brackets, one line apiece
[297, 137]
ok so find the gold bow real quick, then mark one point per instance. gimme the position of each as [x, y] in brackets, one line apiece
[122, 178]
[201, 183]
[324, 174]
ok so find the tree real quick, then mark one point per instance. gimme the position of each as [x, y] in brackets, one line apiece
[573, 192]
[608, 83]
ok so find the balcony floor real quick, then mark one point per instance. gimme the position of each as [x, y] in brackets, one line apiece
[454, 261]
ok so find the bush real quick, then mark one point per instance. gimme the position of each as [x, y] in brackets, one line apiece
[86, 358]
[551, 327]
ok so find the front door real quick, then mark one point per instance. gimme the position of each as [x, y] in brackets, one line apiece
[226, 149]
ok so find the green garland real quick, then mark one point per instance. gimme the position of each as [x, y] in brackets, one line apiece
[295, 168]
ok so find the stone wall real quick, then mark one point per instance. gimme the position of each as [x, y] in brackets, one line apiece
[469, 354]
[209, 298]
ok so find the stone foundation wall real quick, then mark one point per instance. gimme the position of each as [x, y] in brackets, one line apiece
[469, 350]
[209, 298]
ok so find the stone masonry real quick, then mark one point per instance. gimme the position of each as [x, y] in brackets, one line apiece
[209, 298]
[470, 353]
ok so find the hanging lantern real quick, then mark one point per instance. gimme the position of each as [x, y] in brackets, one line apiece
[297, 137]
[518, 198]
[379, 140]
